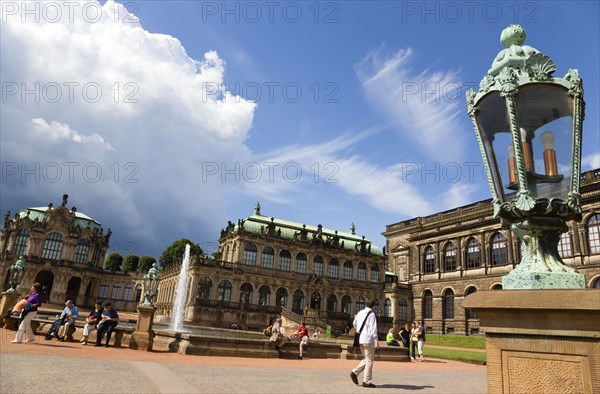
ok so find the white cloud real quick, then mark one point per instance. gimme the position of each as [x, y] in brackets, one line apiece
[591, 161]
[426, 104]
[113, 96]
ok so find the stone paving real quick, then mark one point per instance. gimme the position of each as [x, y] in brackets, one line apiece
[52, 366]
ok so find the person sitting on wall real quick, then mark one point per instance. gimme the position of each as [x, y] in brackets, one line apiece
[110, 319]
[390, 340]
[91, 322]
[278, 334]
[70, 313]
[302, 333]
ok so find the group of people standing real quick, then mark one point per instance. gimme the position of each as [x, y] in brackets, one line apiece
[413, 338]
[102, 319]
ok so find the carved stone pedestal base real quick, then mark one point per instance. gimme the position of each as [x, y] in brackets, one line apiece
[143, 336]
[8, 301]
[540, 341]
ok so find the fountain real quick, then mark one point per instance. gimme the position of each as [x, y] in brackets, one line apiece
[178, 312]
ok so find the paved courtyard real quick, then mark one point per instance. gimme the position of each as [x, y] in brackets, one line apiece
[52, 366]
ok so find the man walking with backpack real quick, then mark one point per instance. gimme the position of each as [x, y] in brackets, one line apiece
[365, 322]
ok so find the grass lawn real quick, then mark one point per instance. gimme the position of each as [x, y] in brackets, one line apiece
[474, 342]
[459, 355]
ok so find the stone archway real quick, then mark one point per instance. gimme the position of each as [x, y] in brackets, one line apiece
[73, 289]
[46, 280]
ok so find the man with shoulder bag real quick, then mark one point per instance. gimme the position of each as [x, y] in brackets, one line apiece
[365, 323]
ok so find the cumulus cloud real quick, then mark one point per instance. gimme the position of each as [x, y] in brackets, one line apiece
[590, 162]
[131, 109]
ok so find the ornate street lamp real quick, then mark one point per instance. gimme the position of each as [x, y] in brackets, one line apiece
[15, 273]
[528, 125]
[150, 286]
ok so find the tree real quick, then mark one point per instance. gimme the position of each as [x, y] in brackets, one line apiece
[131, 263]
[217, 255]
[113, 261]
[145, 264]
[173, 255]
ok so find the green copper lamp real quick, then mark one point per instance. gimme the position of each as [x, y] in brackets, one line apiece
[528, 124]
[15, 273]
[150, 286]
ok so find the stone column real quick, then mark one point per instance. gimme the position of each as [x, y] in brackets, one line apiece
[540, 340]
[143, 336]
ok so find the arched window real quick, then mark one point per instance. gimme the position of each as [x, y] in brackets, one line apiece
[402, 310]
[318, 265]
[250, 254]
[301, 263]
[362, 272]
[246, 293]
[331, 303]
[468, 312]
[593, 230]
[225, 255]
[448, 304]
[204, 288]
[96, 256]
[285, 260]
[429, 260]
[348, 270]
[473, 255]
[333, 270]
[21, 242]
[427, 304]
[298, 302]
[497, 286]
[450, 257]
[347, 305]
[596, 284]
[374, 273]
[103, 293]
[138, 293]
[264, 295]
[224, 291]
[234, 253]
[53, 247]
[564, 245]
[267, 259]
[387, 308]
[376, 307]
[360, 304]
[127, 292]
[499, 251]
[116, 291]
[81, 251]
[282, 296]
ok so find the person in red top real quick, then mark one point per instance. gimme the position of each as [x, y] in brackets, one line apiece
[302, 333]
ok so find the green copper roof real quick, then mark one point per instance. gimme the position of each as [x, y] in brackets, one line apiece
[288, 229]
[39, 213]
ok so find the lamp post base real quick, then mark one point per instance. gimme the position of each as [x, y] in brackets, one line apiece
[541, 266]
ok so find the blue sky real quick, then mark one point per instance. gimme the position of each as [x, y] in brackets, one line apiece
[325, 112]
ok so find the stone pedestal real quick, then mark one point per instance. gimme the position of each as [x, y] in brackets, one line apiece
[143, 336]
[540, 341]
[8, 301]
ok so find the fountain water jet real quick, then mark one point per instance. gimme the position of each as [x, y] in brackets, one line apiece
[177, 314]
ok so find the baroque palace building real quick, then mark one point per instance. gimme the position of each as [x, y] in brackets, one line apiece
[272, 266]
[64, 251]
[448, 255]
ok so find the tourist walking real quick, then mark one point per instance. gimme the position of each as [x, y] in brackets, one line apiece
[110, 319]
[365, 323]
[70, 313]
[405, 335]
[91, 322]
[27, 314]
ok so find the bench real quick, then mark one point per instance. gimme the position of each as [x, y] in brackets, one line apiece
[41, 325]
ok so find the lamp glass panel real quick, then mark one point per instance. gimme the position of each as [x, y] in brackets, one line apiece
[545, 114]
[492, 120]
